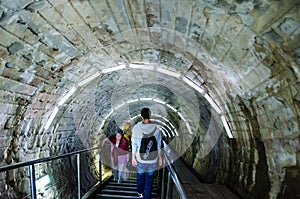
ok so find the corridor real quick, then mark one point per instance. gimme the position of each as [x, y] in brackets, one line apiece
[221, 77]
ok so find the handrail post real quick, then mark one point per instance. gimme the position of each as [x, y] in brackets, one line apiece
[100, 165]
[162, 194]
[78, 175]
[168, 186]
[32, 181]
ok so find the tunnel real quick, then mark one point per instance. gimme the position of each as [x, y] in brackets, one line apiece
[221, 78]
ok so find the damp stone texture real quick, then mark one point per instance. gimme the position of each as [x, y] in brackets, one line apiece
[72, 72]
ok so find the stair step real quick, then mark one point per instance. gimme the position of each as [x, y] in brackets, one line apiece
[114, 187]
[132, 180]
[122, 187]
[113, 190]
[124, 183]
[125, 192]
[128, 192]
[115, 196]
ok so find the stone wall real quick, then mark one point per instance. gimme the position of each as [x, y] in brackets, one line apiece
[263, 158]
[244, 54]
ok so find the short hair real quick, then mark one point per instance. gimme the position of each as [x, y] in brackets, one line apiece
[145, 113]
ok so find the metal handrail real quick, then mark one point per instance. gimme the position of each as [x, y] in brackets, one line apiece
[175, 179]
[171, 172]
[40, 160]
[171, 176]
[31, 164]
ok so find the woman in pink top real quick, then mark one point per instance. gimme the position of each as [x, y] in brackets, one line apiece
[119, 154]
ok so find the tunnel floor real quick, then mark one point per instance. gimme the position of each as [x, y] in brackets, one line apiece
[195, 189]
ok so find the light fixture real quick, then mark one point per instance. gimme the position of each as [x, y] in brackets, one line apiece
[112, 69]
[159, 101]
[141, 66]
[226, 126]
[132, 101]
[51, 118]
[88, 79]
[213, 103]
[146, 99]
[193, 85]
[66, 97]
[171, 107]
[169, 72]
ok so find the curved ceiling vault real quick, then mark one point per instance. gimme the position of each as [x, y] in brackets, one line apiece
[57, 47]
[79, 63]
[51, 47]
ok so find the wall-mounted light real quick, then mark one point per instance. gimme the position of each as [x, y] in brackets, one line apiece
[213, 103]
[146, 99]
[88, 79]
[112, 69]
[193, 85]
[51, 118]
[141, 66]
[171, 107]
[159, 101]
[132, 101]
[67, 96]
[169, 72]
[226, 126]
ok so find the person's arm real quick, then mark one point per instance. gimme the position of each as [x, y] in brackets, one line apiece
[134, 151]
[160, 160]
[133, 161]
[134, 148]
[159, 140]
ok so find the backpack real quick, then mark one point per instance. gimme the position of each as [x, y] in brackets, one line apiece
[148, 147]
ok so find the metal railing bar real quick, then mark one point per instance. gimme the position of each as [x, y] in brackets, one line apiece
[40, 160]
[168, 193]
[78, 176]
[173, 175]
[100, 171]
[162, 194]
[32, 181]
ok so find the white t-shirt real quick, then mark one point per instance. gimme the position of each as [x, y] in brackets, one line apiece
[137, 133]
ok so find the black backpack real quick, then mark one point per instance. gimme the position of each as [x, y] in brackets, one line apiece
[148, 149]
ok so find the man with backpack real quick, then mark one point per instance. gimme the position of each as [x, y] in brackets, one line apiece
[146, 144]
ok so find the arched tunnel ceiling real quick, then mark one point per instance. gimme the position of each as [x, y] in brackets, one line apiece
[49, 47]
[78, 61]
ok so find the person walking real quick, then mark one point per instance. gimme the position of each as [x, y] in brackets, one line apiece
[127, 135]
[146, 145]
[119, 154]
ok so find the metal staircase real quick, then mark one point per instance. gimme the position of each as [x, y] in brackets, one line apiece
[111, 189]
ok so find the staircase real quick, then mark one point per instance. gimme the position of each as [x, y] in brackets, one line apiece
[111, 189]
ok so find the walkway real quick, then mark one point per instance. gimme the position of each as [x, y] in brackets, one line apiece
[195, 189]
